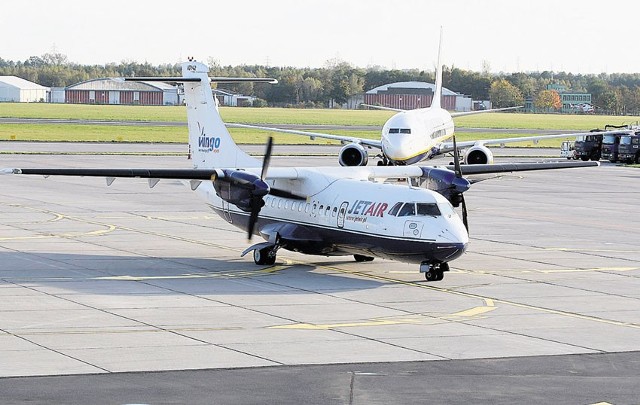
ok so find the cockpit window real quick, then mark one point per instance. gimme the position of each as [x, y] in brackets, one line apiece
[413, 209]
[394, 130]
[407, 210]
[395, 208]
[405, 130]
[428, 209]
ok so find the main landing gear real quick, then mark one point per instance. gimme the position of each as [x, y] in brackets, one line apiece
[434, 271]
[361, 258]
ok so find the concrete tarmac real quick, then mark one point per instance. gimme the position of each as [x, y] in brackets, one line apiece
[112, 294]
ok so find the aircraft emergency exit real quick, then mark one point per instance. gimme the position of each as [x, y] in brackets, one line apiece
[403, 213]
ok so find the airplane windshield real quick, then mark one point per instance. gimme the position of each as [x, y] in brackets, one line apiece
[413, 209]
[399, 130]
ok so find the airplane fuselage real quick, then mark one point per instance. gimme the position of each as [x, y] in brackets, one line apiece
[360, 217]
[411, 136]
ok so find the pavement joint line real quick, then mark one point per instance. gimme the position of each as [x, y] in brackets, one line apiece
[493, 299]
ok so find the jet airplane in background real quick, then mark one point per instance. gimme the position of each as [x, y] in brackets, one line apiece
[403, 213]
[411, 136]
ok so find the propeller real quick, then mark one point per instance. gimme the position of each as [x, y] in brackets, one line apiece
[261, 190]
[458, 171]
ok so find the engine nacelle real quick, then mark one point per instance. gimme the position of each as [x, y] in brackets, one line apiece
[445, 182]
[478, 155]
[240, 188]
[353, 154]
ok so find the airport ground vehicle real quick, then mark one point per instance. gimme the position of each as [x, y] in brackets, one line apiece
[588, 147]
[629, 148]
[568, 150]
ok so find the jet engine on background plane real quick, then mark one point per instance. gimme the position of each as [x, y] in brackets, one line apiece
[478, 155]
[353, 154]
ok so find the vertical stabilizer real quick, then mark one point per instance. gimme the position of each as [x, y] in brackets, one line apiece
[209, 140]
[437, 95]
[210, 143]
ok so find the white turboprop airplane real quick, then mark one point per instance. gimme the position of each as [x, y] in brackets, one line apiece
[411, 136]
[402, 213]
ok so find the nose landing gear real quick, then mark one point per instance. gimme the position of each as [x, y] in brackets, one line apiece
[434, 271]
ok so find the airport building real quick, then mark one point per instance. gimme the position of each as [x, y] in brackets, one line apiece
[18, 90]
[411, 95]
[117, 91]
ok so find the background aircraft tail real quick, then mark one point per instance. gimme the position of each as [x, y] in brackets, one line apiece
[210, 143]
[437, 95]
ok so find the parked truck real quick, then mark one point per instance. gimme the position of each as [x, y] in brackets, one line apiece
[629, 148]
[588, 147]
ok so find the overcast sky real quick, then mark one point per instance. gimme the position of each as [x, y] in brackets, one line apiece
[578, 36]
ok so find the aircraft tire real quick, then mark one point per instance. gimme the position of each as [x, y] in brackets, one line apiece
[362, 258]
[432, 274]
[261, 257]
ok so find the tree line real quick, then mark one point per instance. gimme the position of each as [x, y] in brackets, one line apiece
[337, 81]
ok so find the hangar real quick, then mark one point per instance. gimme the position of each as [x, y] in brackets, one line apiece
[117, 91]
[18, 90]
[411, 95]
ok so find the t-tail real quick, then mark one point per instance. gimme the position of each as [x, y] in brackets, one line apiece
[210, 144]
[437, 95]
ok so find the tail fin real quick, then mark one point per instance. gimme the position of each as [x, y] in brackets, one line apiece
[437, 95]
[210, 143]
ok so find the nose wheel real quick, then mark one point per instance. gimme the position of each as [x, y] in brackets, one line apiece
[264, 256]
[434, 271]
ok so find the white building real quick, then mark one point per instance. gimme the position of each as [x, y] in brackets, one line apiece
[17, 90]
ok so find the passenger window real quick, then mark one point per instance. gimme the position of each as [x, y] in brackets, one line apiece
[407, 210]
[335, 211]
[395, 208]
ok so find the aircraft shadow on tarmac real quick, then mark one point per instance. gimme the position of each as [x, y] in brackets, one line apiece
[105, 274]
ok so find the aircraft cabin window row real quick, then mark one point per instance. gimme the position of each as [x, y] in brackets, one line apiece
[300, 206]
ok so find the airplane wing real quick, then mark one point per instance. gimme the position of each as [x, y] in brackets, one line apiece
[448, 146]
[453, 114]
[463, 113]
[371, 143]
[519, 167]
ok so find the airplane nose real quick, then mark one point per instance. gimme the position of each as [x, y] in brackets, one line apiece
[394, 148]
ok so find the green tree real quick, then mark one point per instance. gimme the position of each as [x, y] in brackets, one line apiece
[504, 94]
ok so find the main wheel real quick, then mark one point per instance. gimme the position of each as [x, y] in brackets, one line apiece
[262, 257]
[361, 258]
[432, 274]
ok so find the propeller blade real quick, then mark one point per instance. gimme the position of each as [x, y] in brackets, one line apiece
[456, 158]
[267, 158]
[464, 212]
[256, 199]
[253, 218]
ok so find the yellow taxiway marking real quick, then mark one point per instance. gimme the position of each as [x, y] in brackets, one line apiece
[477, 296]
[110, 228]
[313, 326]
[469, 313]
[222, 274]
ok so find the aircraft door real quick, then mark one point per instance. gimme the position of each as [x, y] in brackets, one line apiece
[342, 212]
[413, 229]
